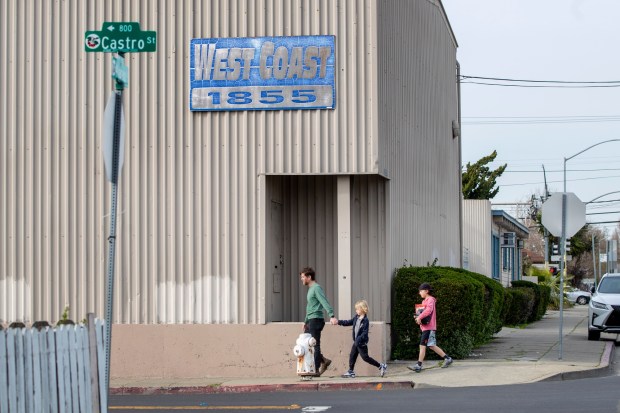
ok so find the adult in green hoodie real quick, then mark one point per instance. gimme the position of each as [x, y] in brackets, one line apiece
[314, 321]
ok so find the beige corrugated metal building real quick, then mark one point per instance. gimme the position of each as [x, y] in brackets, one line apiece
[218, 211]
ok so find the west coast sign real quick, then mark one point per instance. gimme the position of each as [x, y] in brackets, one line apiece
[264, 73]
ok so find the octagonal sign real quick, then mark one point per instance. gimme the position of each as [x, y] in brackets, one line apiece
[552, 214]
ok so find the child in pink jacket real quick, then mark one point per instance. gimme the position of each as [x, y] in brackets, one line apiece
[428, 327]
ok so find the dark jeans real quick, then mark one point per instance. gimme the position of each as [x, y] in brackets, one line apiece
[362, 350]
[315, 326]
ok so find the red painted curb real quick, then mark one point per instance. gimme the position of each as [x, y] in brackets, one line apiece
[288, 387]
[377, 385]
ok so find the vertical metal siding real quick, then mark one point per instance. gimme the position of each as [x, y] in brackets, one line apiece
[371, 277]
[188, 200]
[417, 104]
[477, 234]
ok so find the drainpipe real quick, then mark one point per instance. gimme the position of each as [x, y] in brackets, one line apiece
[458, 97]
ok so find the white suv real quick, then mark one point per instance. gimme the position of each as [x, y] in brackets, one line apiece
[604, 308]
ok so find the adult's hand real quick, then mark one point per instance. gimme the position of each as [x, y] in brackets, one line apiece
[334, 321]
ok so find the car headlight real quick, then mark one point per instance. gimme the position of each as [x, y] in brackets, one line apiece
[596, 304]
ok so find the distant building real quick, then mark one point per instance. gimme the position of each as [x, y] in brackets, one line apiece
[493, 242]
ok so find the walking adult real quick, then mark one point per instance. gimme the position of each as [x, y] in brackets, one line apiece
[315, 321]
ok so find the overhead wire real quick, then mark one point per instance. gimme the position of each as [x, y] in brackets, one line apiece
[529, 83]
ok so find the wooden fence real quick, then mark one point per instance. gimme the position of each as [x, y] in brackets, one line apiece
[57, 370]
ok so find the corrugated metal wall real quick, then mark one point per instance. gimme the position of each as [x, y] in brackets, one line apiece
[417, 104]
[310, 227]
[477, 232]
[188, 228]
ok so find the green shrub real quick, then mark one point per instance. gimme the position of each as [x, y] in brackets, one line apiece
[460, 302]
[521, 307]
[539, 307]
[545, 297]
[506, 306]
[493, 302]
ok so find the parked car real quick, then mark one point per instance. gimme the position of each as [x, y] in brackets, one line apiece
[604, 308]
[577, 296]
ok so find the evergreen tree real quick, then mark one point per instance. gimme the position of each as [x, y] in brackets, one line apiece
[479, 180]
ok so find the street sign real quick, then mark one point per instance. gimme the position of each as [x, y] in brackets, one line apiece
[120, 71]
[120, 37]
[108, 138]
[552, 214]
[557, 258]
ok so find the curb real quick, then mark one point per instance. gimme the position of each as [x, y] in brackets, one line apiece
[601, 371]
[257, 388]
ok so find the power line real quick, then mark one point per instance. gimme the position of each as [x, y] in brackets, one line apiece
[549, 121]
[537, 81]
[568, 180]
[529, 83]
[540, 86]
[568, 170]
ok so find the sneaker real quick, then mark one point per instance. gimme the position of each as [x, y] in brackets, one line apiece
[447, 362]
[415, 367]
[382, 369]
[349, 375]
[324, 365]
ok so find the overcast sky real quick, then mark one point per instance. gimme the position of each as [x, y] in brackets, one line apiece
[551, 40]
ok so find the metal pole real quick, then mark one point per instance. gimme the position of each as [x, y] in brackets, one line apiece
[562, 265]
[562, 260]
[112, 236]
[598, 249]
[546, 231]
[593, 260]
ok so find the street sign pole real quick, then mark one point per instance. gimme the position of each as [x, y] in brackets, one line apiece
[118, 107]
[120, 38]
[572, 217]
[562, 268]
[119, 73]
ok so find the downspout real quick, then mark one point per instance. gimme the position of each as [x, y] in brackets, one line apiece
[460, 176]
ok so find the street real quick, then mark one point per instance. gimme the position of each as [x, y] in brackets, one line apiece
[591, 395]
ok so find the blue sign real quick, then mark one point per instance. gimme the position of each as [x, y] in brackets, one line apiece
[262, 73]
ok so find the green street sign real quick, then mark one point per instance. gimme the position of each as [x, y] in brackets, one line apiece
[120, 37]
[120, 72]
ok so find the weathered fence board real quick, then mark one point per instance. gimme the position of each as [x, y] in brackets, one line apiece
[4, 372]
[53, 369]
[103, 393]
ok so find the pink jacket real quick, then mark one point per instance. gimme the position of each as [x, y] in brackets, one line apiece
[429, 308]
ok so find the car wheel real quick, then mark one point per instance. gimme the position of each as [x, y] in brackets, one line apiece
[582, 300]
[594, 335]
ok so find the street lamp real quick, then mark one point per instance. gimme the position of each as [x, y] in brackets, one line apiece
[593, 257]
[600, 196]
[579, 153]
[563, 238]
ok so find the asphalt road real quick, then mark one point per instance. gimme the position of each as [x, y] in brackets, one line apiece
[587, 395]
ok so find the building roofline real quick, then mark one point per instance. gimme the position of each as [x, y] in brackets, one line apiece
[505, 217]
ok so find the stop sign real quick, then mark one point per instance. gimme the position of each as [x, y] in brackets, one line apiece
[552, 214]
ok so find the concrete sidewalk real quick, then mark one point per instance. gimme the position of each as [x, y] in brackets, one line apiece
[513, 356]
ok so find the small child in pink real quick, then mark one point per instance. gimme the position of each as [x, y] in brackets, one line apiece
[428, 338]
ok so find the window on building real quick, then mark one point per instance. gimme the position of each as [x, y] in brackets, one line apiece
[496, 257]
[507, 259]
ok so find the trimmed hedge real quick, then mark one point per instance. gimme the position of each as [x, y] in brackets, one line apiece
[537, 308]
[545, 293]
[460, 310]
[521, 306]
[471, 308]
[506, 306]
[493, 302]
